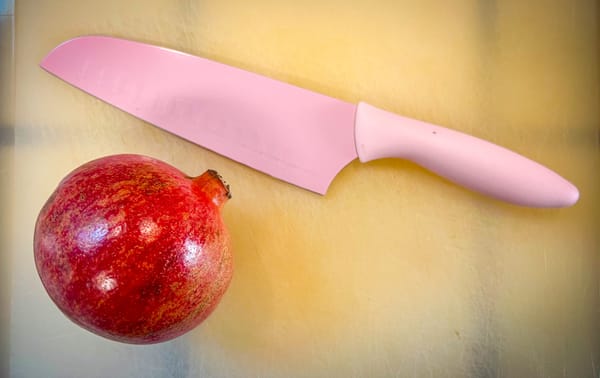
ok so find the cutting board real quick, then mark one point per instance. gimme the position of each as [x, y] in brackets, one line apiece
[395, 272]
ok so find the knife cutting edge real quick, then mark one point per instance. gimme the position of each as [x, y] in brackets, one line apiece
[293, 134]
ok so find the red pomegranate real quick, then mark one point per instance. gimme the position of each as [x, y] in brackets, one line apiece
[133, 250]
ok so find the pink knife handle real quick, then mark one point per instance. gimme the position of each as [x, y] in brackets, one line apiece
[468, 161]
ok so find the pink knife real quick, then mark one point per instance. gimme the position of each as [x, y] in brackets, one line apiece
[290, 133]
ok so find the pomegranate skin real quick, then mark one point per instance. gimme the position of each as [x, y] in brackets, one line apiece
[131, 249]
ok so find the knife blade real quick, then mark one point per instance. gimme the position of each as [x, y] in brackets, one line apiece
[291, 133]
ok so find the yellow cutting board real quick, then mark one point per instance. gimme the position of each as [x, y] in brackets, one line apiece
[395, 272]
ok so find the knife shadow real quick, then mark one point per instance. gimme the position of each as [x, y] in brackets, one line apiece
[354, 175]
[418, 176]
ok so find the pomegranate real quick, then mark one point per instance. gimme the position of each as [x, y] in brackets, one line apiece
[130, 248]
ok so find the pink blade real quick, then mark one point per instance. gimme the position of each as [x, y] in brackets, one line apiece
[293, 134]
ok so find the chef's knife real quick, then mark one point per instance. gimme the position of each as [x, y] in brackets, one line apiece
[293, 134]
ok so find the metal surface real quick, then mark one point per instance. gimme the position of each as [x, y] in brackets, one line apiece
[6, 175]
[394, 272]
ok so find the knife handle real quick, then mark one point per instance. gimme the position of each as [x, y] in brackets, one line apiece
[463, 159]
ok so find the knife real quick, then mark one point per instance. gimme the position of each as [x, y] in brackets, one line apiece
[293, 134]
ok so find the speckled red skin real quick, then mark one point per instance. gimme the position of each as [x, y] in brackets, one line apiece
[131, 249]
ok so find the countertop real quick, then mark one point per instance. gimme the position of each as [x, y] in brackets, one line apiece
[394, 272]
